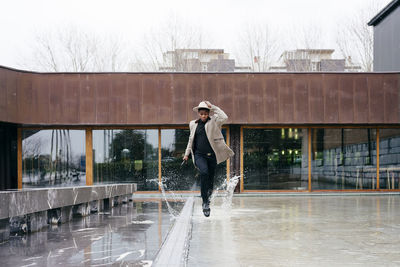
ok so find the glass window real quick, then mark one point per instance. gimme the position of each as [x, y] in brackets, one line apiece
[343, 159]
[389, 158]
[275, 159]
[175, 176]
[55, 157]
[126, 156]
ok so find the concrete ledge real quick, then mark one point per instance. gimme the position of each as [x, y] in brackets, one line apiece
[26, 201]
[30, 210]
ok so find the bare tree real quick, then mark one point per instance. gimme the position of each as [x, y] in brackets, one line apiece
[308, 40]
[171, 35]
[258, 47]
[77, 50]
[355, 38]
[310, 36]
[112, 55]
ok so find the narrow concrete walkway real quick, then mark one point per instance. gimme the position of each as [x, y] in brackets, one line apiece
[174, 249]
[298, 231]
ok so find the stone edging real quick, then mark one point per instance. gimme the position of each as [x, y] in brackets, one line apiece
[175, 247]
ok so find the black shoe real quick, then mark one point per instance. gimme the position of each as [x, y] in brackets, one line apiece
[206, 209]
[206, 212]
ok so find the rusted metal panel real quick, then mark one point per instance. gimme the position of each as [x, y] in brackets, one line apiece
[316, 99]
[149, 105]
[103, 87]
[360, 99]
[376, 98]
[209, 86]
[271, 99]
[346, 94]
[87, 98]
[56, 91]
[226, 95]
[134, 98]
[240, 101]
[118, 101]
[71, 98]
[40, 98]
[256, 97]
[24, 98]
[195, 95]
[301, 99]
[168, 98]
[331, 100]
[164, 99]
[391, 98]
[286, 99]
[179, 98]
[12, 78]
[3, 96]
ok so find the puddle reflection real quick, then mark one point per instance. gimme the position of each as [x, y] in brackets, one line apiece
[130, 233]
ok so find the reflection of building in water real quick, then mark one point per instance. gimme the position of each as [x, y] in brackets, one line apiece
[141, 227]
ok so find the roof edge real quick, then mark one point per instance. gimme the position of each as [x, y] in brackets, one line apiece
[384, 13]
[201, 73]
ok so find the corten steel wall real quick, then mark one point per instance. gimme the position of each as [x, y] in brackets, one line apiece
[167, 98]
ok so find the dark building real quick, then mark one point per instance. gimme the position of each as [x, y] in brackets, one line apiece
[290, 131]
[387, 38]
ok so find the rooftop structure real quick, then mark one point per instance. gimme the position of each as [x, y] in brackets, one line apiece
[199, 60]
[306, 60]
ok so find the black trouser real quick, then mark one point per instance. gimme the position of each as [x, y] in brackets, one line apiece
[206, 165]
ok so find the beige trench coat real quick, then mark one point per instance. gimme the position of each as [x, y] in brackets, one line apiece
[214, 135]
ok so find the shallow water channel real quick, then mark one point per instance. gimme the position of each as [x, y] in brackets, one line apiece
[131, 234]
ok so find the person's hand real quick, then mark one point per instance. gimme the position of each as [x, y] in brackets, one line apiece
[185, 158]
[208, 103]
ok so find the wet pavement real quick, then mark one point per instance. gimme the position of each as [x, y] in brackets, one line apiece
[129, 234]
[298, 231]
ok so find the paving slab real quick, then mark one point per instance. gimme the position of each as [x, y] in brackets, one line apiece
[297, 231]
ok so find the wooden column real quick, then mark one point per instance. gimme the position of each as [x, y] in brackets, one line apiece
[241, 160]
[89, 157]
[159, 159]
[19, 157]
[309, 160]
[377, 159]
[228, 162]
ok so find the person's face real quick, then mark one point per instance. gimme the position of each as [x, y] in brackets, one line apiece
[203, 114]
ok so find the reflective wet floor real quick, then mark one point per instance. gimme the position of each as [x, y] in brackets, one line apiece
[298, 231]
[128, 235]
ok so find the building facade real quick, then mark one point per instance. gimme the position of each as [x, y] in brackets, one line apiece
[387, 38]
[307, 60]
[199, 60]
[290, 131]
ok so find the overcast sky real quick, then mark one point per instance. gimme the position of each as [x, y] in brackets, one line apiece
[219, 19]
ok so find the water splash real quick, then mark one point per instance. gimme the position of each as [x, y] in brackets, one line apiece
[227, 200]
[228, 187]
[173, 213]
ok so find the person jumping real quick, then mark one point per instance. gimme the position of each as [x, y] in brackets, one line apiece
[207, 146]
